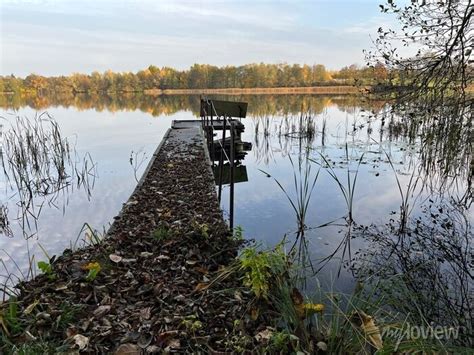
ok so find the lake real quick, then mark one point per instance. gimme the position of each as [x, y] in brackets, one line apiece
[363, 158]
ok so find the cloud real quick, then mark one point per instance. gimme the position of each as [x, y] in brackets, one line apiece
[254, 14]
[52, 37]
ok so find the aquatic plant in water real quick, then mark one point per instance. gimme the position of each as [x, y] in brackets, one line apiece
[40, 166]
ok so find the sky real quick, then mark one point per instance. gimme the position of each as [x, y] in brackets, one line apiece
[54, 37]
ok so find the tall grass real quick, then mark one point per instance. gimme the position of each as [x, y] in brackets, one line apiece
[407, 197]
[40, 165]
[361, 322]
[347, 188]
[304, 182]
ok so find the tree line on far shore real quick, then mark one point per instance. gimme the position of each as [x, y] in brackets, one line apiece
[198, 76]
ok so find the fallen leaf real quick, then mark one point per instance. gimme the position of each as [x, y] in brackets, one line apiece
[312, 308]
[254, 313]
[81, 341]
[115, 258]
[145, 313]
[164, 338]
[70, 332]
[132, 260]
[238, 296]
[201, 286]
[304, 309]
[298, 302]
[322, 346]
[61, 287]
[367, 324]
[128, 349]
[101, 310]
[264, 336]
[201, 269]
[32, 306]
[92, 266]
[173, 344]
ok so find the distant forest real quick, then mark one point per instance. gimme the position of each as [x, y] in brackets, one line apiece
[199, 76]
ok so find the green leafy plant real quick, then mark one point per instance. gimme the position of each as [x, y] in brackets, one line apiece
[191, 323]
[281, 342]
[9, 321]
[91, 235]
[238, 233]
[67, 315]
[261, 268]
[94, 269]
[161, 233]
[202, 229]
[38, 346]
[47, 269]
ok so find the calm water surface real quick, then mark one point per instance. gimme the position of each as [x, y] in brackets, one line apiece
[341, 132]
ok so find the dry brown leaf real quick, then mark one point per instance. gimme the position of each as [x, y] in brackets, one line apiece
[128, 349]
[264, 336]
[298, 302]
[254, 313]
[174, 344]
[81, 341]
[201, 286]
[30, 308]
[115, 258]
[201, 269]
[101, 311]
[322, 346]
[166, 337]
[145, 313]
[61, 286]
[371, 330]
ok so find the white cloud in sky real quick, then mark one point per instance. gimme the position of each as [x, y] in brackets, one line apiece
[59, 37]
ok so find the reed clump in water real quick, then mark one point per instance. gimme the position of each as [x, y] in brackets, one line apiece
[40, 165]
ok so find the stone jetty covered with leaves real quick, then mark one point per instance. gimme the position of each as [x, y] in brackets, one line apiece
[151, 284]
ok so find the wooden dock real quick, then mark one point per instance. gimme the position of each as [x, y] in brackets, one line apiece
[182, 162]
[153, 266]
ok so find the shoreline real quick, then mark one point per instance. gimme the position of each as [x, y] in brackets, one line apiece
[343, 89]
[298, 90]
[324, 90]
